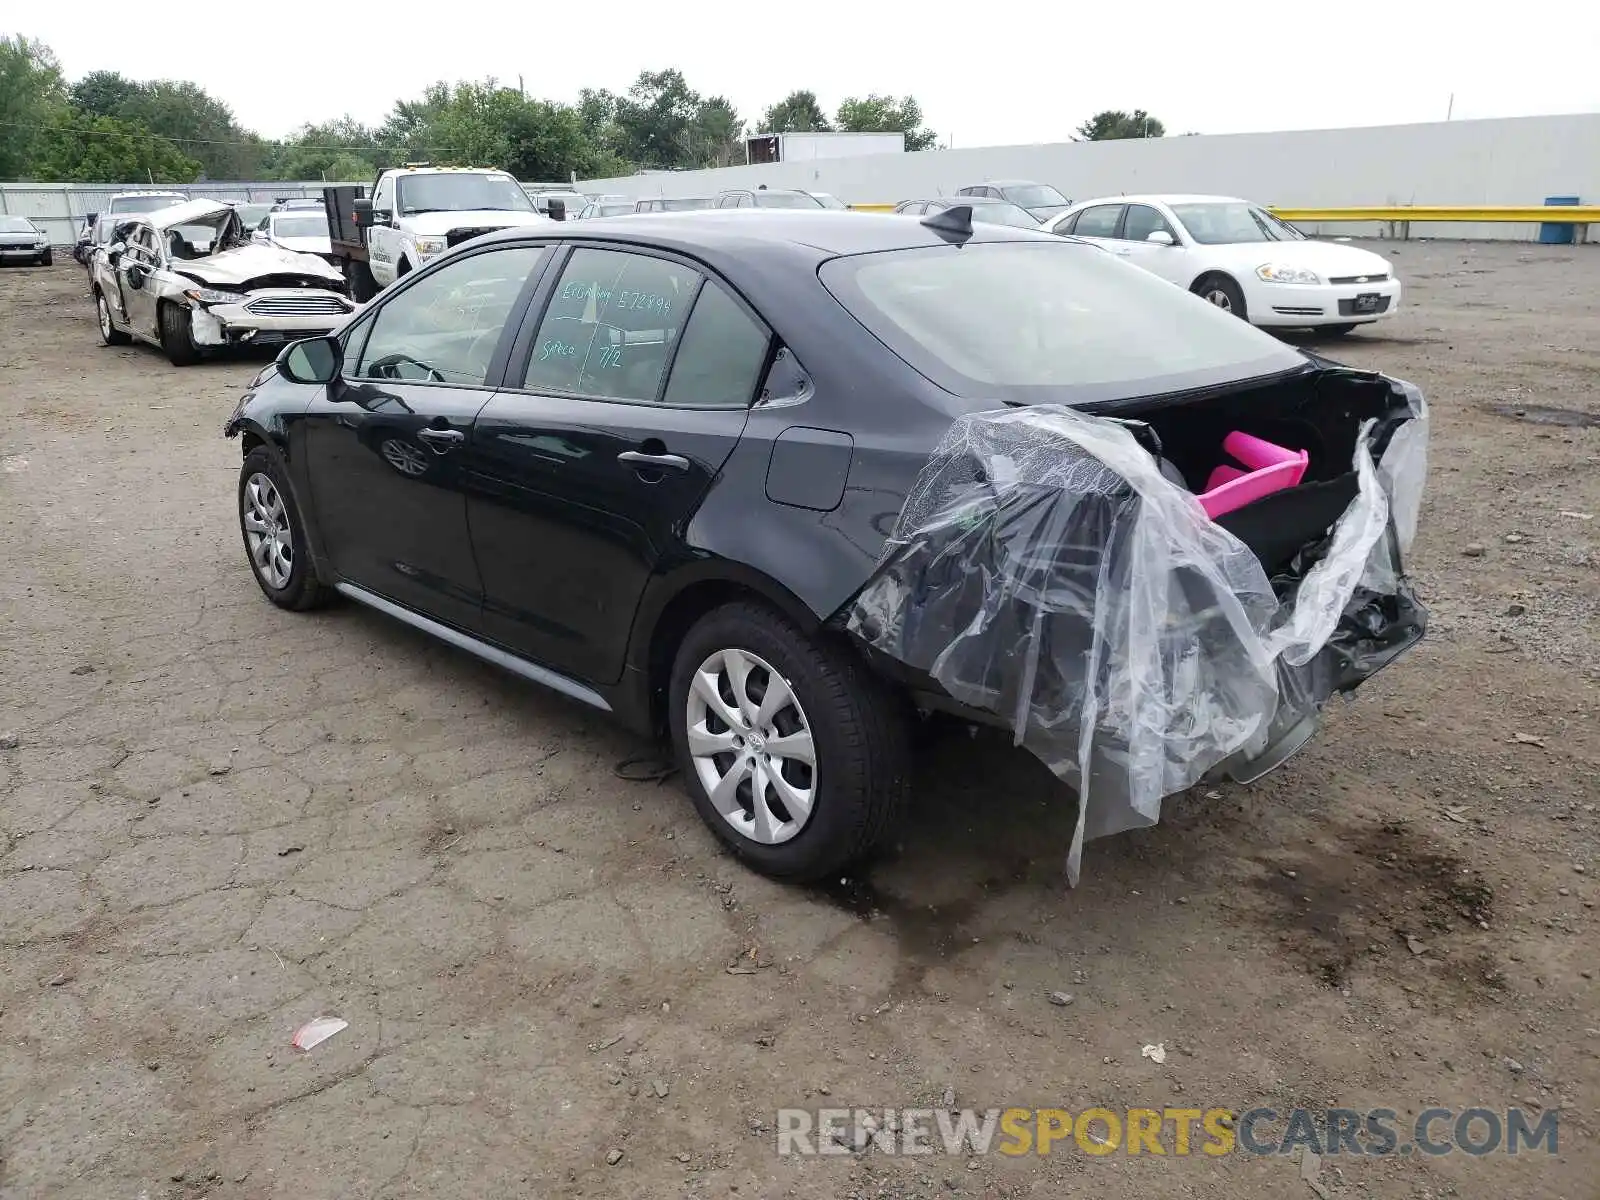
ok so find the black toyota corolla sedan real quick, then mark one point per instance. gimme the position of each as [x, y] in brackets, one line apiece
[677, 467]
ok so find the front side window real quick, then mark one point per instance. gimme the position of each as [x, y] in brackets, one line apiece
[1142, 221]
[610, 327]
[1047, 321]
[444, 328]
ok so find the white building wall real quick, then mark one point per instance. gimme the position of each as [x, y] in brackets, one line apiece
[1518, 160]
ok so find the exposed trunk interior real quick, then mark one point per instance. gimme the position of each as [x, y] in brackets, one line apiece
[1320, 411]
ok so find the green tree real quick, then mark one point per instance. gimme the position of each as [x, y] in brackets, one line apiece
[884, 114]
[716, 136]
[798, 112]
[104, 93]
[328, 151]
[655, 120]
[1114, 125]
[31, 96]
[198, 124]
[78, 148]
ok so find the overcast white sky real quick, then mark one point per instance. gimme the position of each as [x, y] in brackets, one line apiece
[985, 75]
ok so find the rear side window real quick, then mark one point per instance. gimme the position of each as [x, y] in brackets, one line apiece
[1041, 320]
[1099, 221]
[720, 359]
[611, 325]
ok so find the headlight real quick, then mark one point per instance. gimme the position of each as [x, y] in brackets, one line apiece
[213, 296]
[431, 245]
[1278, 273]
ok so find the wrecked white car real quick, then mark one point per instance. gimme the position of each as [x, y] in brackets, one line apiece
[189, 279]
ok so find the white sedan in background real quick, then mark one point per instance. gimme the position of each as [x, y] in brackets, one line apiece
[1241, 258]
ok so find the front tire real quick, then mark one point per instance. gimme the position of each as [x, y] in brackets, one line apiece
[275, 535]
[795, 755]
[47, 259]
[1222, 292]
[177, 338]
[1334, 331]
[109, 333]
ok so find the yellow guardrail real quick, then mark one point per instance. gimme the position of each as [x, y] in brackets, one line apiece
[1575, 214]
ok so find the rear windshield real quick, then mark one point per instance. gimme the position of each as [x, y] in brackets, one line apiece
[786, 200]
[142, 204]
[1047, 321]
[300, 227]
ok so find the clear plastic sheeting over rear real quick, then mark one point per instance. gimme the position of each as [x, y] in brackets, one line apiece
[1046, 570]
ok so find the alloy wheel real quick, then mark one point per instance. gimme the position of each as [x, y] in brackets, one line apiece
[105, 317]
[266, 530]
[752, 746]
[1220, 298]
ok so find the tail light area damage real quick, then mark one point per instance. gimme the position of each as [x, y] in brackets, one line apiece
[1055, 571]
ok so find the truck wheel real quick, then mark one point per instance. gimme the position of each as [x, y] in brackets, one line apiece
[177, 339]
[363, 286]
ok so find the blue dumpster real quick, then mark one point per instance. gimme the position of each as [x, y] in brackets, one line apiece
[1552, 234]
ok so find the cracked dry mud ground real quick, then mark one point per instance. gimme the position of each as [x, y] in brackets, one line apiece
[220, 820]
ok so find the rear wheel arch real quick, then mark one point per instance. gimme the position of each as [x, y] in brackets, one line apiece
[672, 611]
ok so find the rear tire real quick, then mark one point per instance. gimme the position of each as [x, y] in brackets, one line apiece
[813, 819]
[363, 287]
[177, 339]
[1222, 292]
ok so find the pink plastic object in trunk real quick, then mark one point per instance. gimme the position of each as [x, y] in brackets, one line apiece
[1272, 469]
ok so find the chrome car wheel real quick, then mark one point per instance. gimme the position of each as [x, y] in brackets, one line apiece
[751, 746]
[1220, 298]
[266, 530]
[105, 317]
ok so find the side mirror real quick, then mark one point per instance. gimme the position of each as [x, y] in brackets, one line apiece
[361, 211]
[1161, 238]
[114, 253]
[314, 360]
[136, 276]
[558, 210]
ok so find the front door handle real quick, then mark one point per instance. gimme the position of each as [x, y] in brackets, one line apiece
[661, 462]
[442, 440]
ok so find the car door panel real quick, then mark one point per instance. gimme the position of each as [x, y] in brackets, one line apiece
[1169, 262]
[636, 378]
[387, 444]
[568, 530]
[385, 463]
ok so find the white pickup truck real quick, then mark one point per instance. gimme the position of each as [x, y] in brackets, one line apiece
[418, 212]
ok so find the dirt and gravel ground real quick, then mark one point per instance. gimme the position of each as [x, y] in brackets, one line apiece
[218, 820]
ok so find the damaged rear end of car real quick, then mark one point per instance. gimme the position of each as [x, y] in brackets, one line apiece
[1156, 545]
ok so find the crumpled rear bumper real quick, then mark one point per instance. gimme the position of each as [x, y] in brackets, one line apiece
[1045, 575]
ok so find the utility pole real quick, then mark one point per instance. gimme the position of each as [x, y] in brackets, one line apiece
[1451, 108]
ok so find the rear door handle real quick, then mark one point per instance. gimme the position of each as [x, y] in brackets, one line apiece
[662, 462]
[442, 439]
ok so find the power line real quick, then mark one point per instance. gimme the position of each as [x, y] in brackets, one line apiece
[406, 147]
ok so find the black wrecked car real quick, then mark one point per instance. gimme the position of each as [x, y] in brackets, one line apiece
[776, 484]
